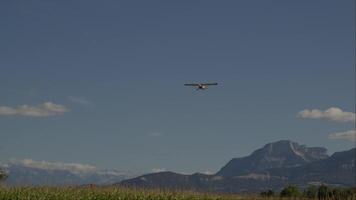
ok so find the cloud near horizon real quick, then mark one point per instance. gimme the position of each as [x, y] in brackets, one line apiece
[157, 170]
[72, 167]
[208, 172]
[332, 114]
[42, 110]
[347, 135]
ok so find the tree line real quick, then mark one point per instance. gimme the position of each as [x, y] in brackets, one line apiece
[321, 192]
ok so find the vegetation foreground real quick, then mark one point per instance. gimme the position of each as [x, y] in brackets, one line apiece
[75, 193]
[111, 193]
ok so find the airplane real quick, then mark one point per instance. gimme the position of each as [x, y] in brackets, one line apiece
[201, 86]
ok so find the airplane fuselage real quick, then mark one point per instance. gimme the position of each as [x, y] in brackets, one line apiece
[202, 87]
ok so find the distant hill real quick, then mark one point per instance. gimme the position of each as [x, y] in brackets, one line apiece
[21, 174]
[272, 167]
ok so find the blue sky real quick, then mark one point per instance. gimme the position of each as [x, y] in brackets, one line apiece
[116, 70]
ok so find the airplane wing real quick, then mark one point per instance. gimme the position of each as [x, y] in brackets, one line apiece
[191, 84]
[209, 83]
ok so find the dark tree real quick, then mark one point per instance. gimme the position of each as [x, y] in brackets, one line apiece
[290, 191]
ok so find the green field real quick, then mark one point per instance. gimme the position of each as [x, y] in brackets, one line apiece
[75, 193]
[87, 193]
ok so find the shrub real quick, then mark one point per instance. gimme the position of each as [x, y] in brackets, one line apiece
[290, 191]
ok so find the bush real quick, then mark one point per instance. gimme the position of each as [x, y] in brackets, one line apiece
[290, 191]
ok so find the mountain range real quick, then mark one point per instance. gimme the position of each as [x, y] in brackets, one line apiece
[39, 173]
[273, 166]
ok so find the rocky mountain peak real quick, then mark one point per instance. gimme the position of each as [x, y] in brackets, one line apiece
[283, 153]
[288, 149]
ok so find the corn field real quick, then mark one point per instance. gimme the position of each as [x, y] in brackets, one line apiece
[75, 193]
[115, 193]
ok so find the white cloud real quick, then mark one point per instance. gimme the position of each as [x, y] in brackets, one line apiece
[331, 114]
[42, 110]
[156, 170]
[184, 173]
[347, 135]
[207, 172]
[72, 167]
[80, 100]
